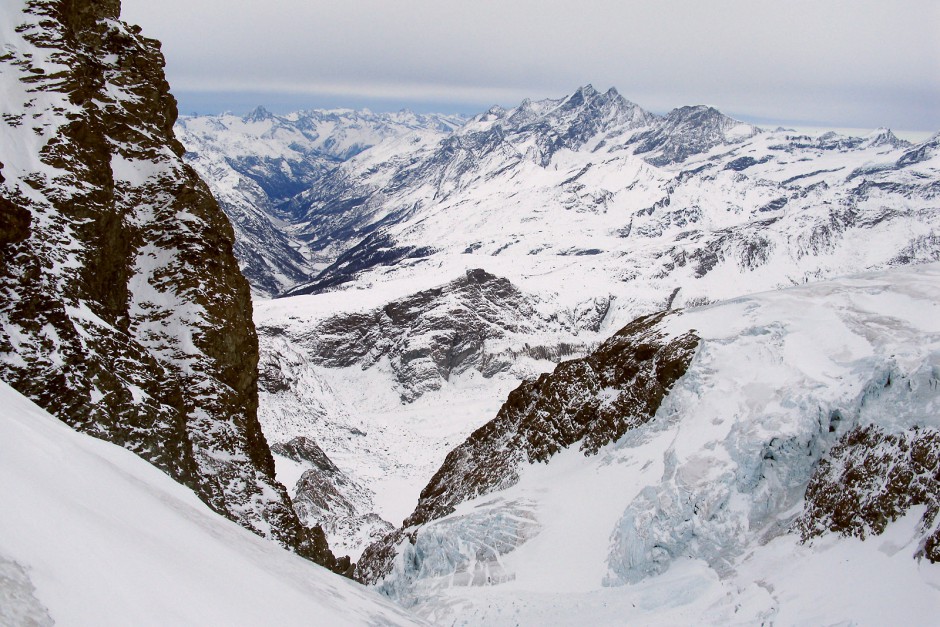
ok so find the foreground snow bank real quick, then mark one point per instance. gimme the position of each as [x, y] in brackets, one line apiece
[92, 535]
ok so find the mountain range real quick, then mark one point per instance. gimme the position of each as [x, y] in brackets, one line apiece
[569, 362]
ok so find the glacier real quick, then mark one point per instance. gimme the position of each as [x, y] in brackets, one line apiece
[705, 498]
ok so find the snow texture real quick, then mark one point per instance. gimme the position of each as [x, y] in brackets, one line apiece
[90, 534]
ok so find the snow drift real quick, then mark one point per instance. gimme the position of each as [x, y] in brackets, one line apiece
[90, 534]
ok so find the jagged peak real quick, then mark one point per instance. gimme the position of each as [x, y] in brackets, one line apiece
[884, 137]
[707, 116]
[702, 111]
[494, 112]
[258, 114]
[587, 91]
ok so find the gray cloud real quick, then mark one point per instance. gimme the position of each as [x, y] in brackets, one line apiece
[862, 63]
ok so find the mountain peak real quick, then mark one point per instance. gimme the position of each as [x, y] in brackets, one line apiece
[690, 130]
[884, 137]
[587, 90]
[258, 114]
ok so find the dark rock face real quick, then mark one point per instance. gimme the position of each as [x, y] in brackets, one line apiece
[592, 401]
[122, 310]
[14, 222]
[872, 478]
[687, 131]
[303, 449]
[374, 250]
[431, 335]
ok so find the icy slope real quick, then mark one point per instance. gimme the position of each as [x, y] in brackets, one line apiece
[704, 513]
[92, 535]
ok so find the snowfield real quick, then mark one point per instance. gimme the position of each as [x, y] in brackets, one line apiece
[90, 534]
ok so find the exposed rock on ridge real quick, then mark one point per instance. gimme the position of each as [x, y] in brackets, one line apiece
[870, 479]
[592, 401]
[431, 335]
[122, 310]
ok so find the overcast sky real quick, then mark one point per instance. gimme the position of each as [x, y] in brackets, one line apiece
[834, 63]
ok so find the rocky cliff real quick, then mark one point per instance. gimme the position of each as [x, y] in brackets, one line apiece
[122, 310]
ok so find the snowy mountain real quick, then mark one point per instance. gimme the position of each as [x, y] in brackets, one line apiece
[717, 464]
[707, 453]
[92, 535]
[256, 164]
[122, 310]
[592, 184]
[592, 212]
[589, 175]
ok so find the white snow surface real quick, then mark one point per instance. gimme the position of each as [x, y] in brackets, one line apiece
[684, 520]
[92, 535]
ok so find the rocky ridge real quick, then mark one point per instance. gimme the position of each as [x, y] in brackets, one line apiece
[588, 402]
[431, 335]
[870, 479]
[123, 311]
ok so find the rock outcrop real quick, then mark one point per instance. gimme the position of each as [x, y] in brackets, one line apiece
[431, 335]
[122, 310]
[327, 499]
[870, 479]
[588, 402]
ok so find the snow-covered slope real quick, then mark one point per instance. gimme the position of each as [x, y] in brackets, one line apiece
[589, 183]
[258, 163]
[92, 535]
[790, 475]
[591, 186]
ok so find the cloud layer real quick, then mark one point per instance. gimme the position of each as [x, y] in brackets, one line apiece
[860, 63]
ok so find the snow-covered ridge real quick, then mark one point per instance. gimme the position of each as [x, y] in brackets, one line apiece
[593, 167]
[705, 497]
[592, 184]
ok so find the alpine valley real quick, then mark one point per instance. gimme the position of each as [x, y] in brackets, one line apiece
[573, 362]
